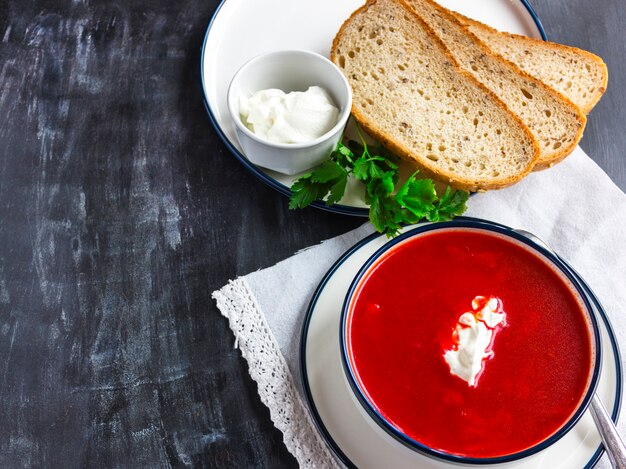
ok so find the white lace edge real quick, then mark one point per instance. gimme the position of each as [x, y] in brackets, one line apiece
[268, 368]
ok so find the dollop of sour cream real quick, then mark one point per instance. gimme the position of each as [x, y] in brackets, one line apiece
[296, 117]
[472, 338]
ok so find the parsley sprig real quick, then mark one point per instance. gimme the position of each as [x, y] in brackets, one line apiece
[389, 207]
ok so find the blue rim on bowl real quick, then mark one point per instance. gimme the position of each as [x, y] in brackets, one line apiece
[258, 172]
[315, 406]
[473, 225]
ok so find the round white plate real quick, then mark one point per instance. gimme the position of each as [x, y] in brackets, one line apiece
[242, 29]
[356, 438]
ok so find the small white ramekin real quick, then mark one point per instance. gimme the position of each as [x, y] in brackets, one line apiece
[289, 70]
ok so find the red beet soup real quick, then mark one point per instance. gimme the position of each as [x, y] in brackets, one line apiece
[404, 316]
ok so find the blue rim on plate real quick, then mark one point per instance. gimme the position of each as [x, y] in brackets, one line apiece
[335, 208]
[384, 423]
[598, 309]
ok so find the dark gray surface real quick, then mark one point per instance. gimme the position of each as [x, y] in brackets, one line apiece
[599, 27]
[120, 212]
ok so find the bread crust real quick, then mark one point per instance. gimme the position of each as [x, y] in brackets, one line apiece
[600, 89]
[544, 161]
[420, 161]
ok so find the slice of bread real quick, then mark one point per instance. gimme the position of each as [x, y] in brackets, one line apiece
[580, 75]
[410, 94]
[555, 122]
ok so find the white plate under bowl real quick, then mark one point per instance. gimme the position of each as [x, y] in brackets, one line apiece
[353, 434]
[243, 29]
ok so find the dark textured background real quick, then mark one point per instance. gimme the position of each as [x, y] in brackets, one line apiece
[120, 212]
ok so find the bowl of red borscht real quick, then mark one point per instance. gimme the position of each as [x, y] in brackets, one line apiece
[469, 342]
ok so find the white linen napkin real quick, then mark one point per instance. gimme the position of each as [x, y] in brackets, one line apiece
[574, 207]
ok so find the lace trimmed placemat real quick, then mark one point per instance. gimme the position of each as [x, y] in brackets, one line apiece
[574, 207]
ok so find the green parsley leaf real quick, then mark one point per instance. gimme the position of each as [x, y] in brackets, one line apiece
[390, 208]
[417, 196]
[388, 181]
[329, 171]
[343, 155]
[328, 179]
[451, 204]
[304, 192]
[336, 191]
[382, 215]
[361, 169]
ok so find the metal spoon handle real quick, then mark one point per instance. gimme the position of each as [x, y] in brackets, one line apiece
[612, 442]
